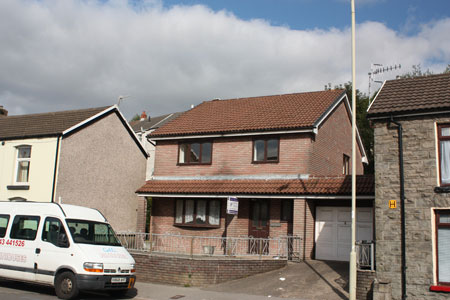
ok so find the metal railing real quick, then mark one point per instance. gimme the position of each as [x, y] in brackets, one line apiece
[365, 255]
[286, 247]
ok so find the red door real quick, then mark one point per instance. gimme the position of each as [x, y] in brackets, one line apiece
[259, 225]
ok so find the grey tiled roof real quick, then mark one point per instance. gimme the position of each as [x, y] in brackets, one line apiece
[412, 96]
[153, 122]
[44, 124]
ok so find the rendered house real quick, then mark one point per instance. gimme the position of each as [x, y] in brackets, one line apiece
[88, 157]
[284, 157]
[143, 127]
[412, 115]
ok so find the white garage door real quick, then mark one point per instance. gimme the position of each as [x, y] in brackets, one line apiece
[333, 231]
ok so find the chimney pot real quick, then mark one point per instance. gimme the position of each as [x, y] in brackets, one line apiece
[143, 116]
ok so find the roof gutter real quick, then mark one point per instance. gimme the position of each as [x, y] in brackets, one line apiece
[55, 171]
[389, 115]
[337, 197]
[309, 130]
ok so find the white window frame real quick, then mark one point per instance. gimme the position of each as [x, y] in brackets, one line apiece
[18, 161]
[434, 212]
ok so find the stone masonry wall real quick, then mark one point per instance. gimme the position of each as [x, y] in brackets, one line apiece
[419, 146]
[196, 271]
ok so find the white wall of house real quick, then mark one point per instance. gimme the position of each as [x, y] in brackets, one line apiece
[41, 170]
[150, 148]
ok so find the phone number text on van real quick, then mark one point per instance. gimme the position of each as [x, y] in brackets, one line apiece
[15, 243]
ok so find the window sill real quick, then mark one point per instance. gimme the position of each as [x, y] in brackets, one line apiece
[194, 164]
[442, 189]
[266, 162]
[196, 226]
[23, 187]
[440, 288]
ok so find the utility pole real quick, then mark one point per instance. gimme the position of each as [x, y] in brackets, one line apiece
[353, 252]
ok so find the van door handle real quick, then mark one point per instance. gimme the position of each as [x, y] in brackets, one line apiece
[38, 250]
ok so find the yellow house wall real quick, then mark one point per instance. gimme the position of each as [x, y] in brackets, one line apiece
[42, 166]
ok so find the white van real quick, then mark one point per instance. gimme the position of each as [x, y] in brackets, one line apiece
[70, 247]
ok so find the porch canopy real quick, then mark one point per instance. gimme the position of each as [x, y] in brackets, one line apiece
[312, 186]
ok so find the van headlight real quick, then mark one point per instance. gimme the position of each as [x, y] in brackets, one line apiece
[93, 267]
[133, 268]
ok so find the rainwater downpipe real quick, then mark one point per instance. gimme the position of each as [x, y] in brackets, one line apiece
[402, 204]
[55, 171]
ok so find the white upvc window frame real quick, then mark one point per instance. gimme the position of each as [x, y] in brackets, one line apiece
[17, 163]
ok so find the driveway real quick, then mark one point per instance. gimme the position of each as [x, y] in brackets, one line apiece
[309, 280]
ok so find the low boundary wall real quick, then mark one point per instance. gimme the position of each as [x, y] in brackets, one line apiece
[364, 286]
[198, 271]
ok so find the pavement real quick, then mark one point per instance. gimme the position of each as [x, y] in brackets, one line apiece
[309, 280]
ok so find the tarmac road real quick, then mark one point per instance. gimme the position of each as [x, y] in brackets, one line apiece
[12, 290]
[312, 280]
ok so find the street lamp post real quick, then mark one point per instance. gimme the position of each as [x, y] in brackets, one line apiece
[353, 252]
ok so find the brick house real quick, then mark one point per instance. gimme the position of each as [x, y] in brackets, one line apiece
[283, 157]
[412, 253]
[89, 157]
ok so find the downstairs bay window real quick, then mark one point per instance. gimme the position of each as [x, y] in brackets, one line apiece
[197, 212]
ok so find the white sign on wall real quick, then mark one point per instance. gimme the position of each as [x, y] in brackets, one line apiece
[232, 206]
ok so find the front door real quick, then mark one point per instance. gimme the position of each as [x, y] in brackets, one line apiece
[259, 225]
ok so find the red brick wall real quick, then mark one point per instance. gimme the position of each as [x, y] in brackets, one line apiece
[233, 156]
[198, 272]
[333, 140]
[304, 223]
[141, 214]
[163, 210]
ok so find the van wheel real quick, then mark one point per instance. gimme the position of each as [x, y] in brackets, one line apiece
[66, 286]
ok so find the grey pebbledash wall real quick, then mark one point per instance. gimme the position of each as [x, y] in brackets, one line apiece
[420, 170]
[100, 166]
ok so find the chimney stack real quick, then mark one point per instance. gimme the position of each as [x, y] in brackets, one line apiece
[143, 116]
[3, 112]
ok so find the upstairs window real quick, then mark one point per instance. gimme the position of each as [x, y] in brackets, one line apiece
[195, 153]
[23, 164]
[346, 165]
[443, 246]
[266, 150]
[444, 153]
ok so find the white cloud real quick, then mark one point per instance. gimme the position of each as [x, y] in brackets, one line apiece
[70, 54]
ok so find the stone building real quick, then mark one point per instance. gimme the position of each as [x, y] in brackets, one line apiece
[411, 118]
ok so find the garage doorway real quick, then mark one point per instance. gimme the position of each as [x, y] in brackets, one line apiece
[333, 231]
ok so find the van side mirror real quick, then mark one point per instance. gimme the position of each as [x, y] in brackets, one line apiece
[63, 242]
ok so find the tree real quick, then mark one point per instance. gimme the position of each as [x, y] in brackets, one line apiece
[447, 70]
[416, 72]
[363, 124]
[136, 118]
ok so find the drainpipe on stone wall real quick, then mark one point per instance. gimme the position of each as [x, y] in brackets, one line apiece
[55, 171]
[402, 204]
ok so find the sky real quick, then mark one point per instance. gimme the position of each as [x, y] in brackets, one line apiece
[166, 55]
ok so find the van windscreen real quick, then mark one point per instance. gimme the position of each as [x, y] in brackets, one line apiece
[90, 232]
